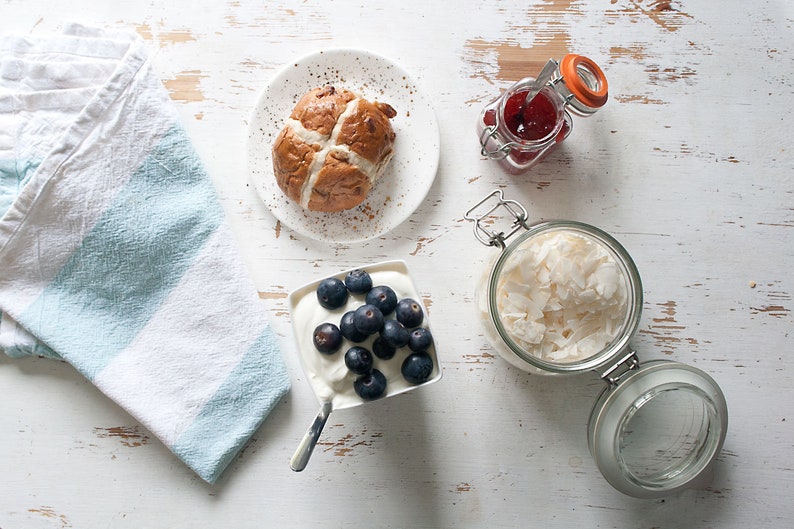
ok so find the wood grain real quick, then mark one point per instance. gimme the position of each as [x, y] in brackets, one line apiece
[689, 165]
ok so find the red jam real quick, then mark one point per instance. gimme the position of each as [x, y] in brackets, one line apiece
[532, 121]
[528, 122]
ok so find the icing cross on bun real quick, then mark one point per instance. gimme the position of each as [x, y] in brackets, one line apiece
[333, 147]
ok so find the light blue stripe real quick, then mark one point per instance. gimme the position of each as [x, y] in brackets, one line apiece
[14, 174]
[236, 410]
[130, 261]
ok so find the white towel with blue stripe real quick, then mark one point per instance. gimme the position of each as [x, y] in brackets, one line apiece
[115, 254]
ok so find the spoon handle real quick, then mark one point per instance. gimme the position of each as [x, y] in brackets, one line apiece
[301, 457]
[542, 79]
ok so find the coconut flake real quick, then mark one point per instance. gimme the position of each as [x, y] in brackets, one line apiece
[563, 298]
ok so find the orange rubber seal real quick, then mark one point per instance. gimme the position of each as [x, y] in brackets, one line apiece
[569, 68]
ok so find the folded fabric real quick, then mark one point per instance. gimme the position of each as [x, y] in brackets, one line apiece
[114, 251]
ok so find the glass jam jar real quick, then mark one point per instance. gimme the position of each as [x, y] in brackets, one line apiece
[521, 126]
[566, 298]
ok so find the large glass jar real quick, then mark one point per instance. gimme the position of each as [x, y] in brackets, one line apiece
[523, 124]
[565, 297]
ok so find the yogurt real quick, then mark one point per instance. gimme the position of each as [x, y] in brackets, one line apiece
[328, 376]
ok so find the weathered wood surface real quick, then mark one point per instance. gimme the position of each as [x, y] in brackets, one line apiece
[689, 165]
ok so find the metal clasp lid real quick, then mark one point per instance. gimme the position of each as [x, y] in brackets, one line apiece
[502, 150]
[491, 237]
[614, 374]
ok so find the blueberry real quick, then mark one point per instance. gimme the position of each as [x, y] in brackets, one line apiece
[331, 293]
[358, 360]
[349, 329]
[327, 338]
[409, 313]
[420, 339]
[358, 282]
[382, 297]
[368, 319]
[383, 349]
[370, 386]
[395, 333]
[417, 368]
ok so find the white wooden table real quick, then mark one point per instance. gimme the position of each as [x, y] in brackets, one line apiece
[689, 165]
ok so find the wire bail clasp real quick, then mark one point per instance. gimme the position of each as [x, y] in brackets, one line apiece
[501, 150]
[490, 237]
[628, 363]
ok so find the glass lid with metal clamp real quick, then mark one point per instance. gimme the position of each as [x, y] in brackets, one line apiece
[564, 298]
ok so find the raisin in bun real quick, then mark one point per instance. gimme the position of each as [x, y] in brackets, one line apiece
[333, 147]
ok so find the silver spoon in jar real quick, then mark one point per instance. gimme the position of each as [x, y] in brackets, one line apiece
[542, 80]
[301, 457]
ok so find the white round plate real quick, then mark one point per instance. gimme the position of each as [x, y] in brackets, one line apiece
[408, 177]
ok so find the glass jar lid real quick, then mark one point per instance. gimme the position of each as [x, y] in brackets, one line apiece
[565, 297]
[584, 85]
[658, 429]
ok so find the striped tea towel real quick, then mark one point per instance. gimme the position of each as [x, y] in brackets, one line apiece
[114, 252]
